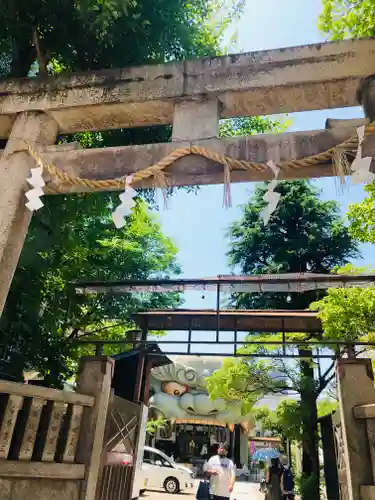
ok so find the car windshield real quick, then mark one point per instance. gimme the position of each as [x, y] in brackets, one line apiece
[168, 459]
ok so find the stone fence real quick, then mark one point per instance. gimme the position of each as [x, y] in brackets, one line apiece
[51, 440]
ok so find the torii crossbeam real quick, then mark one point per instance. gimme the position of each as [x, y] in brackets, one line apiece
[193, 96]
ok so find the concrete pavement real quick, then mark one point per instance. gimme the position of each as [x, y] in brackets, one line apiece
[242, 491]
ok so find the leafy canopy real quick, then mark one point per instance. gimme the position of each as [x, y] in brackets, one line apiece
[80, 35]
[241, 381]
[304, 234]
[286, 421]
[362, 217]
[72, 241]
[246, 126]
[342, 19]
[348, 313]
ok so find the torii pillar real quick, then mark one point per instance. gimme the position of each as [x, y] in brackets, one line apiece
[29, 129]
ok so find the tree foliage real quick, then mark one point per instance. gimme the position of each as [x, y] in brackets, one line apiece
[304, 234]
[68, 242]
[342, 19]
[97, 34]
[362, 217]
[154, 424]
[285, 421]
[347, 314]
[246, 126]
[244, 381]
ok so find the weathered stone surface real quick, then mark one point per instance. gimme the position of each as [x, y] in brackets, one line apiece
[95, 378]
[109, 163]
[57, 414]
[5, 489]
[309, 77]
[355, 388]
[194, 121]
[28, 441]
[9, 419]
[40, 470]
[33, 391]
[75, 419]
[30, 128]
[367, 492]
[42, 489]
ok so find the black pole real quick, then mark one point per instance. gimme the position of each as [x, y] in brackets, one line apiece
[217, 312]
[329, 458]
[237, 446]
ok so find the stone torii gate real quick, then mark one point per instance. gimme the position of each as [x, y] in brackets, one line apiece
[191, 95]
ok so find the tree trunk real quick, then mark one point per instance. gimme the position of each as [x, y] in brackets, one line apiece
[22, 59]
[310, 455]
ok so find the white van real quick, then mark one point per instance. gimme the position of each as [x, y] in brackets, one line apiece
[162, 472]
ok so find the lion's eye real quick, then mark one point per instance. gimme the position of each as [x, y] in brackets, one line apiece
[174, 388]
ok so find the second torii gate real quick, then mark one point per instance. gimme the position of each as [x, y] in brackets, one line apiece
[193, 96]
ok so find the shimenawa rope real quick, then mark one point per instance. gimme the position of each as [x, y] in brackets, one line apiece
[348, 146]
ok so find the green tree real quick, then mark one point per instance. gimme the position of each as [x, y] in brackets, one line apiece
[304, 234]
[326, 406]
[72, 241]
[362, 217]
[91, 34]
[342, 19]
[154, 424]
[246, 126]
[285, 421]
[348, 314]
[240, 380]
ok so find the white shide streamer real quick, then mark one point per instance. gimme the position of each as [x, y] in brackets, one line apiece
[126, 205]
[37, 183]
[360, 169]
[271, 198]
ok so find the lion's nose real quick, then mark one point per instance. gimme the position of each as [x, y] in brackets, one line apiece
[201, 404]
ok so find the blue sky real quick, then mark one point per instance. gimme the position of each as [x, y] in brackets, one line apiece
[197, 223]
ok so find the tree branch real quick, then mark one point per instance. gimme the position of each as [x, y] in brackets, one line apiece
[324, 383]
[327, 371]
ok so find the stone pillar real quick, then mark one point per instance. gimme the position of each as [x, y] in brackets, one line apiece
[355, 383]
[95, 378]
[30, 129]
[194, 120]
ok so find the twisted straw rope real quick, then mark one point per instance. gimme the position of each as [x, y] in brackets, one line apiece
[349, 145]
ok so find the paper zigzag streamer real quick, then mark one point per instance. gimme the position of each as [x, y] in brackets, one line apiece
[271, 198]
[126, 205]
[360, 169]
[34, 195]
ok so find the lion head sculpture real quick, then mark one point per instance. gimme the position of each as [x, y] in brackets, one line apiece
[179, 392]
